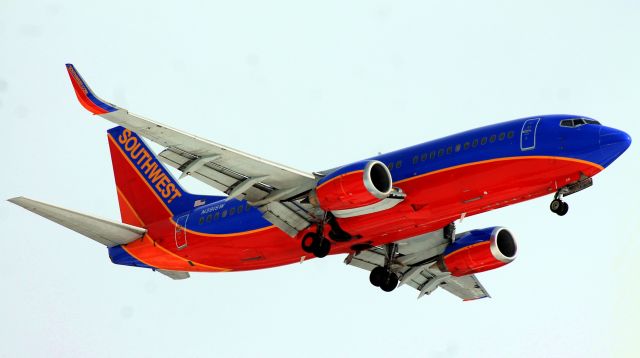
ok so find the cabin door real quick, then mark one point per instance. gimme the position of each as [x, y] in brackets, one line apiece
[528, 134]
[181, 232]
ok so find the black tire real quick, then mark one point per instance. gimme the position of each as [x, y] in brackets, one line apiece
[377, 275]
[564, 209]
[310, 242]
[556, 206]
[323, 248]
[390, 282]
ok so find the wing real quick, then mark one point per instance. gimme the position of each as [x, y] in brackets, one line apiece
[267, 185]
[417, 266]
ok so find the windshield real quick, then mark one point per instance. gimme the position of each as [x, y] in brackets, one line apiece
[573, 123]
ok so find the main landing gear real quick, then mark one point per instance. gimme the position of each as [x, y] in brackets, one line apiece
[382, 276]
[317, 244]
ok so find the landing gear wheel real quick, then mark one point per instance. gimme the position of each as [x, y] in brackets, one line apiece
[323, 248]
[389, 282]
[564, 209]
[377, 275]
[559, 207]
[310, 242]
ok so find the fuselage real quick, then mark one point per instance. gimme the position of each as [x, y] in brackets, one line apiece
[445, 179]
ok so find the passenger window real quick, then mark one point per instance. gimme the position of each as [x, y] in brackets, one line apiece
[423, 157]
[247, 207]
[501, 137]
[466, 145]
[398, 163]
[232, 211]
[240, 209]
[224, 214]
[457, 148]
[390, 166]
[432, 155]
[216, 216]
[483, 141]
[492, 138]
[201, 221]
[510, 134]
[415, 159]
[209, 218]
[449, 150]
[475, 143]
[440, 152]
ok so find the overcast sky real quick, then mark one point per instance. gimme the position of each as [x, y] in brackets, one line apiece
[313, 86]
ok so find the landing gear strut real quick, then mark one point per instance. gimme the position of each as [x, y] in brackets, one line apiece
[315, 242]
[382, 276]
[560, 207]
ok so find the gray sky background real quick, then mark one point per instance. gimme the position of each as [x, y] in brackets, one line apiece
[314, 85]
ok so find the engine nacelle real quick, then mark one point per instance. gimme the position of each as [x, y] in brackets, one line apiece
[353, 186]
[479, 250]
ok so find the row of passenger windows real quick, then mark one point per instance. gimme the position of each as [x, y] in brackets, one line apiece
[223, 214]
[451, 149]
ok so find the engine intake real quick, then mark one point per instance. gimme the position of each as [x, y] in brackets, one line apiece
[353, 186]
[479, 250]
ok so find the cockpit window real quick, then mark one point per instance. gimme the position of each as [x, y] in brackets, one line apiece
[573, 123]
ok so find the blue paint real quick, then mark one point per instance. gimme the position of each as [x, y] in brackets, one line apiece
[120, 257]
[469, 238]
[97, 101]
[543, 136]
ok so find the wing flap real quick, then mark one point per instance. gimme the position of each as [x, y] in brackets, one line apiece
[107, 232]
[417, 268]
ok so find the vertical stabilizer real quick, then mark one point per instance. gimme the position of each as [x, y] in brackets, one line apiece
[147, 192]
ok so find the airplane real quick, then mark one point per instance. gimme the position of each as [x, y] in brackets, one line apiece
[392, 215]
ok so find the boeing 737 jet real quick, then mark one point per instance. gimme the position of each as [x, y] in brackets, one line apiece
[391, 214]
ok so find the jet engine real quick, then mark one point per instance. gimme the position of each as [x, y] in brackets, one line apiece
[353, 186]
[479, 250]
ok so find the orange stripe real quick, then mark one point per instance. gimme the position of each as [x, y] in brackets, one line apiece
[468, 247]
[182, 260]
[338, 177]
[140, 175]
[156, 244]
[502, 159]
[128, 204]
[227, 235]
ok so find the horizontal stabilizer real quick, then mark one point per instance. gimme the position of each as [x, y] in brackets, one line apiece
[176, 275]
[107, 232]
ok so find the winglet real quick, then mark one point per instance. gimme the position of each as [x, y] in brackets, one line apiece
[85, 95]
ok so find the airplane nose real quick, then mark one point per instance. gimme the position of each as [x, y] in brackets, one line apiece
[613, 142]
[614, 137]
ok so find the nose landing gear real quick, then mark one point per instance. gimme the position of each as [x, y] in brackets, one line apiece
[560, 207]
